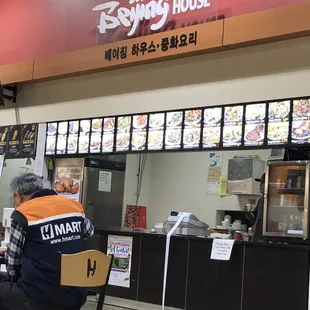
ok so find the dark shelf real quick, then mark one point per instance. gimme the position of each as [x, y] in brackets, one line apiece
[291, 191]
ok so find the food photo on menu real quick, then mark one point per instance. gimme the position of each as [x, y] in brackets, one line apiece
[301, 122]
[211, 134]
[96, 133]
[192, 129]
[67, 182]
[108, 134]
[255, 115]
[73, 131]
[62, 138]
[3, 139]
[278, 123]
[14, 143]
[50, 146]
[29, 137]
[139, 126]
[156, 131]
[123, 133]
[232, 131]
[84, 136]
[174, 122]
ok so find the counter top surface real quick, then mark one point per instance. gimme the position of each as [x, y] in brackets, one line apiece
[125, 232]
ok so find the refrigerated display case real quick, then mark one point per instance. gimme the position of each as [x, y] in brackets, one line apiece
[286, 200]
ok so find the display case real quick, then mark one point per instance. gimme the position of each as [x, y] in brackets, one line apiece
[286, 200]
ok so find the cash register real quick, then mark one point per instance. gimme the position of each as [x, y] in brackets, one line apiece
[190, 225]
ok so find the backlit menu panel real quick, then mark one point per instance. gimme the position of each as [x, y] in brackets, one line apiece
[72, 145]
[139, 130]
[174, 123]
[232, 131]
[301, 122]
[108, 134]
[84, 136]
[123, 133]
[29, 138]
[255, 115]
[156, 131]
[62, 138]
[212, 120]
[192, 129]
[96, 133]
[3, 139]
[278, 123]
[51, 138]
[14, 141]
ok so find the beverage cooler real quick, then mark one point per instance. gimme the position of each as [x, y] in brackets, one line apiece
[286, 201]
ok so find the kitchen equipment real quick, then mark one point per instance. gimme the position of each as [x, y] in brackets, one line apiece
[286, 207]
[189, 226]
[242, 171]
[227, 218]
[101, 187]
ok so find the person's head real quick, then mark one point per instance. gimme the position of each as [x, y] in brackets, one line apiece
[262, 183]
[24, 186]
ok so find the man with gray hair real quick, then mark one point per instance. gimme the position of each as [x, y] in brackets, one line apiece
[43, 224]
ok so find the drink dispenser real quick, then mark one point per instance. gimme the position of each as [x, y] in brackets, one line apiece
[242, 172]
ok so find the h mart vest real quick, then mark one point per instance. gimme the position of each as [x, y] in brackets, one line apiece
[52, 223]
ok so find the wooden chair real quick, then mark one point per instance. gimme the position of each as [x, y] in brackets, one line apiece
[85, 269]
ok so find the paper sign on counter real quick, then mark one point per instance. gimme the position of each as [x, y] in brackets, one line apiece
[221, 249]
[105, 181]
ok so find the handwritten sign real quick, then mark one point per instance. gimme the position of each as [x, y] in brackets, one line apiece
[221, 249]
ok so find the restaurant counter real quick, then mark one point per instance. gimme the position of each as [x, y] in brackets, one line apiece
[259, 276]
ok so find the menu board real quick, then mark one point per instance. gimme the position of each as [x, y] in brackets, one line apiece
[96, 133]
[192, 129]
[123, 133]
[84, 136]
[278, 123]
[174, 123]
[108, 134]
[156, 132]
[138, 137]
[29, 137]
[72, 145]
[51, 138]
[212, 121]
[301, 122]
[62, 138]
[255, 115]
[232, 131]
[3, 139]
[14, 141]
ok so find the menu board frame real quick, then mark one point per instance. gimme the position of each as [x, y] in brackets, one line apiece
[219, 124]
[145, 129]
[255, 125]
[304, 121]
[231, 124]
[183, 127]
[280, 120]
[173, 128]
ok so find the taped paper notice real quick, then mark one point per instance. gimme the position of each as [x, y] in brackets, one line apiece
[221, 249]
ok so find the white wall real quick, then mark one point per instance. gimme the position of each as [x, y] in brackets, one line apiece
[270, 71]
[178, 181]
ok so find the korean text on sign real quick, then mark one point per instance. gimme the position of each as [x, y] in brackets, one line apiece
[172, 42]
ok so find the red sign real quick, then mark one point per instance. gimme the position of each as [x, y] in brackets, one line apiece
[31, 29]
